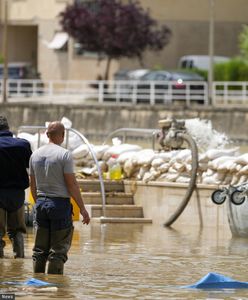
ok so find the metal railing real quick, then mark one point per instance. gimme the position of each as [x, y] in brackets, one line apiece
[39, 130]
[135, 92]
[132, 92]
[228, 93]
[124, 132]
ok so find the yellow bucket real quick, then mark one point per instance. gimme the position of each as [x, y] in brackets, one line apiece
[76, 211]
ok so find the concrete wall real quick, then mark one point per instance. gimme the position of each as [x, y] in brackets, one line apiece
[98, 120]
[164, 199]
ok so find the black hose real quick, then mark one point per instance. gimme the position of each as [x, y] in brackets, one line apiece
[192, 182]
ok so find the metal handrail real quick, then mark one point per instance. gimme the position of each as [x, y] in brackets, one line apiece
[124, 131]
[84, 139]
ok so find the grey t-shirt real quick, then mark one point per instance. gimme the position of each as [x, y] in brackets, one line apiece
[48, 164]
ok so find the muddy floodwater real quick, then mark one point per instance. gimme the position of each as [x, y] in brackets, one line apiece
[134, 262]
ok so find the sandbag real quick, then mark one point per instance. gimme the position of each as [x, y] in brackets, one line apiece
[80, 151]
[215, 153]
[119, 149]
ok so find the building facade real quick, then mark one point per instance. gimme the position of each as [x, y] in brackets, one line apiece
[34, 35]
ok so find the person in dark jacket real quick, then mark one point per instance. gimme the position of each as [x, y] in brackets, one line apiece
[14, 161]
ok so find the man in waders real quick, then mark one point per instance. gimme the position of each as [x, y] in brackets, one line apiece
[52, 183]
[14, 161]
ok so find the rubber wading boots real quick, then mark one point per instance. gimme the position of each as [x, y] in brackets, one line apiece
[39, 266]
[55, 267]
[18, 245]
[2, 245]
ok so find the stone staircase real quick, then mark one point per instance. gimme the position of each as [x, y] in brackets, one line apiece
[119, 207]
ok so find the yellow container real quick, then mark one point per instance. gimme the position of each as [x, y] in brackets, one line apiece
[76, 210]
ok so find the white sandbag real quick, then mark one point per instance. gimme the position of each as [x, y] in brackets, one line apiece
[208, 173]
[164, 167]
[119, 149]
[244, 170]
[43, 140]
[243, 179]
[168, 155]
[215, 153]
[84, 162]
[214, 164]
[125, 156]
[183, 155]
[226, 166]
[242, 159]
[30, 138]
[151, 175]
[180, 167]
[27, 136]
[172, 170]
[99, 151]
[162, 177]
[142, 171]
[66, 122]
[129, 168]
[203, 158]
[145, 157]
[80, 151]
[188, 168]
[202, 166]
[235, 179]
[72, 142]
[156, 162]
[183, 179]
[171, 177]
[216, 178]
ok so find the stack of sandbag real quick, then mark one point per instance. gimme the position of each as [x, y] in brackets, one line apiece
[215, 166]
[221, 166]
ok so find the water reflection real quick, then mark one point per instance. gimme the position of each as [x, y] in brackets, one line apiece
[136, 262]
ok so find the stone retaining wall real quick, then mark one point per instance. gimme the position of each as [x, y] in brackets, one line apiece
[99, 120]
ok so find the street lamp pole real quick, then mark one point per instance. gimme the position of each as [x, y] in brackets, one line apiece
[211, 49]
[5, 52]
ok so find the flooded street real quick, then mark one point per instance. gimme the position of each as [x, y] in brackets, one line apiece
[135, 262]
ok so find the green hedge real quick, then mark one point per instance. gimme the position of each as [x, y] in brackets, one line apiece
[234, 70]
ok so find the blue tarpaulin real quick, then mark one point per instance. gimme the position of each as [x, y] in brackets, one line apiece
[217, 281]
[31, 282]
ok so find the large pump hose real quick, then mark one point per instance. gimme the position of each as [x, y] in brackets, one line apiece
[192, 183]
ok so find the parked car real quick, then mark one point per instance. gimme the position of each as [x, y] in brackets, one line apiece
[135, 74]
[21, 71]
[167, 84]
[124, 82]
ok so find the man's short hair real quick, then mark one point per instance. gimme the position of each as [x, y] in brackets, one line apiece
[4, 123]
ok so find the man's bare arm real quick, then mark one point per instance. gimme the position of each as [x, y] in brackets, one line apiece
[74, 191]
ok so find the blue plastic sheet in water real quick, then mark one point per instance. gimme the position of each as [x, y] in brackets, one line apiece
[31, 282]
[217, 281]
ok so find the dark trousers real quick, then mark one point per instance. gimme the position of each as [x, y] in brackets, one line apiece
[53, 234]
[12, 219]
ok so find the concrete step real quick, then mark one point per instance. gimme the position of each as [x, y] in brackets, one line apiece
[105, 220]
[88, 185]
[114, 198]
[116, 211]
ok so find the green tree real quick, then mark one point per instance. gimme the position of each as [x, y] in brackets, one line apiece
[114, 29]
